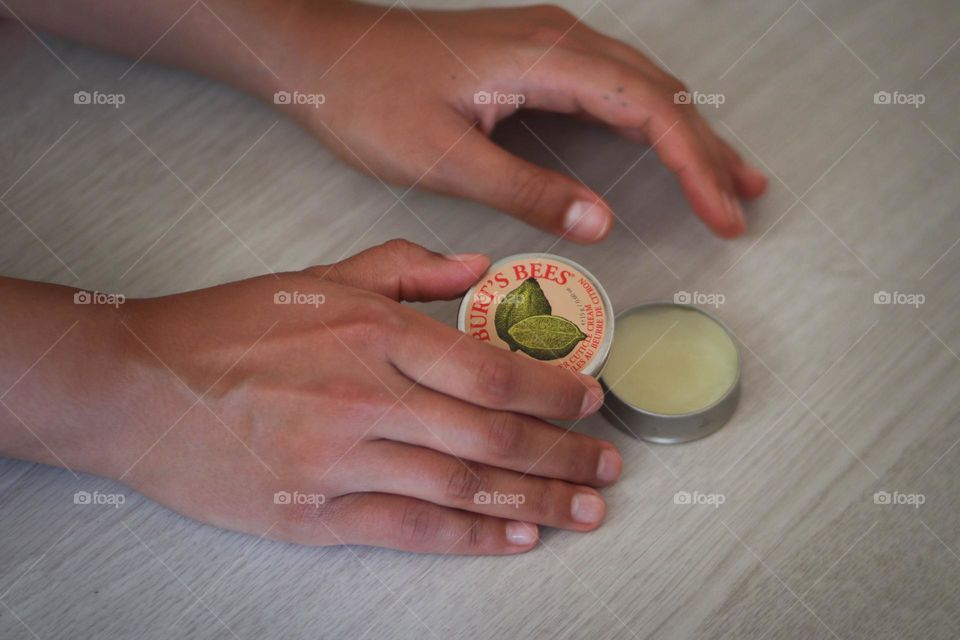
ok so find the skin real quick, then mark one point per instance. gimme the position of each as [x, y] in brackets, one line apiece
[213, 401]
[411, 118]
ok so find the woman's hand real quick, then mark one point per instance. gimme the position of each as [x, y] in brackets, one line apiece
[411, 97]
[314, 408]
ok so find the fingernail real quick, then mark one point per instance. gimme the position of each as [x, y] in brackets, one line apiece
[734, 212]
[587, 508]
[609, 467]
[592, 398]
[463, 257]
[586, 221]
[521, 533]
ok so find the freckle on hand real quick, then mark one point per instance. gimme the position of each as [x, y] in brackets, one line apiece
[620, 89]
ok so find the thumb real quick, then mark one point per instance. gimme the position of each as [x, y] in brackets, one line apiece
[402, 270]
[480, 170]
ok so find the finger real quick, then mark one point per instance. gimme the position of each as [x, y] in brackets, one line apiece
[478, 169]
[686, 146]
[749, 181]
[417, 472]
[402, 270]
[628, 100]
[446, 360]
[502, 439]
[408, 524]
[715, 205]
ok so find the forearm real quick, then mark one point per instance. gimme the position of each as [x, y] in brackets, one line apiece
[60, 372]
[244, 43]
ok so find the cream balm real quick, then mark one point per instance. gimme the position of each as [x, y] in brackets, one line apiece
[673, 373]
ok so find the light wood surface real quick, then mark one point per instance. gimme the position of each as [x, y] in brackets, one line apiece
[842, 397]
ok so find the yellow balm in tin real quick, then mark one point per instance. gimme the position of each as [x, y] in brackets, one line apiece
[671, 360]
[673, 374]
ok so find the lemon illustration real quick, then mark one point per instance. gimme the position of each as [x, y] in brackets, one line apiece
[526, 300]
[546, 337]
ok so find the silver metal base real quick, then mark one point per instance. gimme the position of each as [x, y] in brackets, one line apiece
[668, 429]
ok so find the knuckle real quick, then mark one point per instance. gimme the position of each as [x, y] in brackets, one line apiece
[474, 537]
[571, 399]
[418, 525]
[529, 190]
[504, 435]
[309, 519]
[464, 480]
[541, 502]
[566, 392]
[574, 459]
[545, 35]
[399, 247]
[554, 13]
[495, 379]
[579, 466]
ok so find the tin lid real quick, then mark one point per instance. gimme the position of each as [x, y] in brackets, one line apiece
[543, 307]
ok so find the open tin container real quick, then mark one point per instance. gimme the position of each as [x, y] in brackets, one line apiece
[635, 416]
[551, 309]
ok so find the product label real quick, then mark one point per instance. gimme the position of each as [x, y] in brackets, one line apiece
[540, 307]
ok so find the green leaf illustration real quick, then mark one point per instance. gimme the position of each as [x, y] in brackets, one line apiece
[546, 337]
[526, 300]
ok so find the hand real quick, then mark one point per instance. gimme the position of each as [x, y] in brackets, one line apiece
[399, 92]
[396, 420]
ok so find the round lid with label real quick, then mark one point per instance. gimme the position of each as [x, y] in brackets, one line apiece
[543, 307]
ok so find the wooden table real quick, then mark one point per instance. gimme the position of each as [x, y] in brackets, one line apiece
[842, 398]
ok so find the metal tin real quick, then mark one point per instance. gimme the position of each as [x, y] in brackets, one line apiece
[672, 428]
[572, 292]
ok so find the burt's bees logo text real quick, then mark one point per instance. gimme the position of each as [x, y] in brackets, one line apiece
[492, 292]
[545, 310]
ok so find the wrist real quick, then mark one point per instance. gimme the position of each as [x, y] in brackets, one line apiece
[282, 46]
[300, 71]
[61, 374]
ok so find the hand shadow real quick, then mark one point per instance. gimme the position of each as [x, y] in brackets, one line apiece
[644, 195]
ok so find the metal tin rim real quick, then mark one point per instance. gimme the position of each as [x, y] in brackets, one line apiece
[595, 367]
[732, 389]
